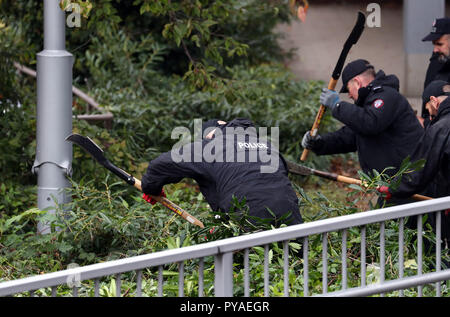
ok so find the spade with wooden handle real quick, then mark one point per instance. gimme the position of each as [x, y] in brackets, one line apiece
[97, 153]
[351, 40]
[303, 170]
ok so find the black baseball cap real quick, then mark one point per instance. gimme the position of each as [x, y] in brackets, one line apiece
[353, 69]
[439, 28]
[435, 89]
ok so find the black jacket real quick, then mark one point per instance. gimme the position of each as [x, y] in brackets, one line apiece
[381, 126]
[434, 147]
[236, 169]
[436, 71]
[434, 178]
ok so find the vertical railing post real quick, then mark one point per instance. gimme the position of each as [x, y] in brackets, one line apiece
[438, 250]
[286, 268]
[305, 267]
[223, 270]
[246, 273]
[324, 262]
[344, 258]
[382, 253]
[401, 242]
[53, 161]
[363, 256]
[266, 270]
[419, 252]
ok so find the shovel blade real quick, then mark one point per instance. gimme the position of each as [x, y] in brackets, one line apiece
[351, 40]
[298, 169]
[357, 29]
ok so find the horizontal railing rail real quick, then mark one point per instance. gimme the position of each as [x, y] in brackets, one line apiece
[393, 285]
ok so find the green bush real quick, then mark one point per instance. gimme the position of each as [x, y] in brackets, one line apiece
[17, 113]
[123, 65]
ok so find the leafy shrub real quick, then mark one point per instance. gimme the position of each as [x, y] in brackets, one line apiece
[102, 225]
[17, 115]
[122, 66]
[151, 104]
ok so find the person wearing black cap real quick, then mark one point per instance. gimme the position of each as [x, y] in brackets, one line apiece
[230, 162]
[381, 125]
[439, 66]
[434, 147]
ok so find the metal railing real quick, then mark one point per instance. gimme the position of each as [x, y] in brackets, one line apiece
[223, 252]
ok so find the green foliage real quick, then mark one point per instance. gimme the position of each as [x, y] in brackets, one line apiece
[127, 62]
[14, 198]
[325, 206]
[375, 179]
[17, 116]
[204, 37]
[216, 34]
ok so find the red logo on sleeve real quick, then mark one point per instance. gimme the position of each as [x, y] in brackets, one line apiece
[378, 103]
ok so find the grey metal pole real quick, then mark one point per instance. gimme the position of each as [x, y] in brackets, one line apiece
[53, 161]
[418, 17]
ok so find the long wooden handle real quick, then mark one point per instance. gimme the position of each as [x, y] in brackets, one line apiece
[421, 197]
[315, 128]
[172, 206]
[336, 177]
[350, 180]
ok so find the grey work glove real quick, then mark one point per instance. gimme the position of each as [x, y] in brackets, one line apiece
[329, 98]
[308, 141]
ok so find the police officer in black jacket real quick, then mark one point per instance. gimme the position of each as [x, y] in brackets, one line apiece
[380, 125]
[231, 162]
[434, 147]
[439, 66]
